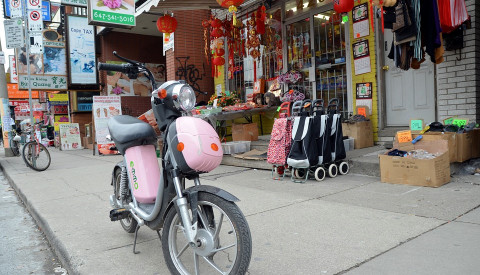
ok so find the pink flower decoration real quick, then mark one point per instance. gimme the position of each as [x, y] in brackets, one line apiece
[113, 4]
[117, 90]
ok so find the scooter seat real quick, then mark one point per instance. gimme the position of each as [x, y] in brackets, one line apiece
[127, 131]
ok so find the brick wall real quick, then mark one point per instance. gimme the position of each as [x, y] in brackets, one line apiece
[189, 52]
[458, 81]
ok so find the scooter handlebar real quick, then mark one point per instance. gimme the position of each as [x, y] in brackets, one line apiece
[123, 68]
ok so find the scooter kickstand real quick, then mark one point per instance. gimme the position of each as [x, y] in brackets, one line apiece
[135, 240]
[159, 235]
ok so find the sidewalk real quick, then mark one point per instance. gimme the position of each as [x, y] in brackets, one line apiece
[351, 224]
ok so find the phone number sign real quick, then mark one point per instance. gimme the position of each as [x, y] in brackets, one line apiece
[111, 15]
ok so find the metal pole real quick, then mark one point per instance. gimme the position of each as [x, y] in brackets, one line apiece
[27, 53]
[4, 94]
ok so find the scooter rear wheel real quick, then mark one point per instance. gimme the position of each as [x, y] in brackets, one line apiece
[129, 224]
[223, 240]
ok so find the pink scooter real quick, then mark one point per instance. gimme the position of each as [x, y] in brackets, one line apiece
[203, 230]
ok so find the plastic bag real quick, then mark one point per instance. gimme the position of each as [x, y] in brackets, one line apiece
[452, 14]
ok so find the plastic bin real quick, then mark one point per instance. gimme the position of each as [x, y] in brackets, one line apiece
[235, 147]
[349, 144]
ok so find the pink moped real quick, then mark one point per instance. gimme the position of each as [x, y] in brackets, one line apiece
[202, 229]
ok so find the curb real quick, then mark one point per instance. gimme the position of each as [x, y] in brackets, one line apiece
[58, 248]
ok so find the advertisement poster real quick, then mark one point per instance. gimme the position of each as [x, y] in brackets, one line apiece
[70, 136]
[81, 39]
[105, 107]
[112, 13]
[361, 25]
[361, 57]
[55, 60]
[119, 83]
[364, 90]
[6, 121]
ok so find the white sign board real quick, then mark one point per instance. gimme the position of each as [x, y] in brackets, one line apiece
[104, 107]
[70, 136]
[13, 69]
[36, 42]
[43, 82]
[15, 8]
[119, 14]
[35, 21]
[34, 4]
[14, 33]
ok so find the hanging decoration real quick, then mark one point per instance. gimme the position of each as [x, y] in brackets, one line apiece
[232, 7]
[253, 43]
[217, 45]
[261, 16]
[343, 6]
[167, 24]
[206, 29]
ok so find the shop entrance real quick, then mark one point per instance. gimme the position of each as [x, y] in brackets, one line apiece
[409, 94]
[316, 46]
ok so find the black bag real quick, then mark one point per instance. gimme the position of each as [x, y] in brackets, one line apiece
[303, 152]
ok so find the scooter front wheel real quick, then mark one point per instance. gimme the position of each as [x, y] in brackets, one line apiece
[223, 242]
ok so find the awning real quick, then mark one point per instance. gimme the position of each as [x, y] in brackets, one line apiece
[161, 6]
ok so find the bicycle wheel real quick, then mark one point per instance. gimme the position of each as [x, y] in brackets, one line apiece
[36, 156]
[14, 145]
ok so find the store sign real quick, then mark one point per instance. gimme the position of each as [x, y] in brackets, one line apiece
[78, 3]
[58, 98]
[81, 39]
[14, 33]
[111, 13]
[13, 69]
[44, 82]
[14, 92]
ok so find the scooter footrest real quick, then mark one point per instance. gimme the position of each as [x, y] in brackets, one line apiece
[118, 214]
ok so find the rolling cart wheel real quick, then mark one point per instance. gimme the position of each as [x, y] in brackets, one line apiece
[332, 170]
[320, 173]
[343, 168]
[280, 170]
[299, 173]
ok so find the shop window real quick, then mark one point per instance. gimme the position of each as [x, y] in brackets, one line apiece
[330, 58]
[296, 7]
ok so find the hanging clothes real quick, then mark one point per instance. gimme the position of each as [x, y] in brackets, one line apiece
[405, 28]
[417, 43]
[430, 23]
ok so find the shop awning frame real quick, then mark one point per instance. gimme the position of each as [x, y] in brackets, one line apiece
[161, 6]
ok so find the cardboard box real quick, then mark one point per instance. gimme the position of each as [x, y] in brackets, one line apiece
[361, 131]
[476, 143]
[419, 172]
[245, 132]
[432, 136]
[465, 146]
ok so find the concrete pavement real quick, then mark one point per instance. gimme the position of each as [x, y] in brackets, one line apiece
[351, 224]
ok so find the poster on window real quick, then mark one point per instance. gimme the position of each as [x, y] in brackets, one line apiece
[105, 107]
[119, 83]
[70, 136]
[361, 57]
[81, 51]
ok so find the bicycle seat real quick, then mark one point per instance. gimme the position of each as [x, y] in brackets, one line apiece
[127, 131]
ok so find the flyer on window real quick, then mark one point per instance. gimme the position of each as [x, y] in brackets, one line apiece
[103, 108]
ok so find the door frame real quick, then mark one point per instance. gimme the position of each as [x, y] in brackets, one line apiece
[381, 87]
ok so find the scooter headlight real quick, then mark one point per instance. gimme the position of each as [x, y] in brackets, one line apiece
[184, 97]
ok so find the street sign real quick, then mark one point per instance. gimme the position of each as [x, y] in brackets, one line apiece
[35, 22]
[34, 4]
[36, 42]
[15, 8]
[46, 10]
[14, 33]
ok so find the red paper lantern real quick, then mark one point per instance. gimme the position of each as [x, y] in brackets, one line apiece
[167, 25]
[216, 23]
[217, 33]
[218, 61]
[342, 6]
[229, 3]
[220, 52]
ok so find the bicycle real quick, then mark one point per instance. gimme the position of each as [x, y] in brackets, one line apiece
[35, 154]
